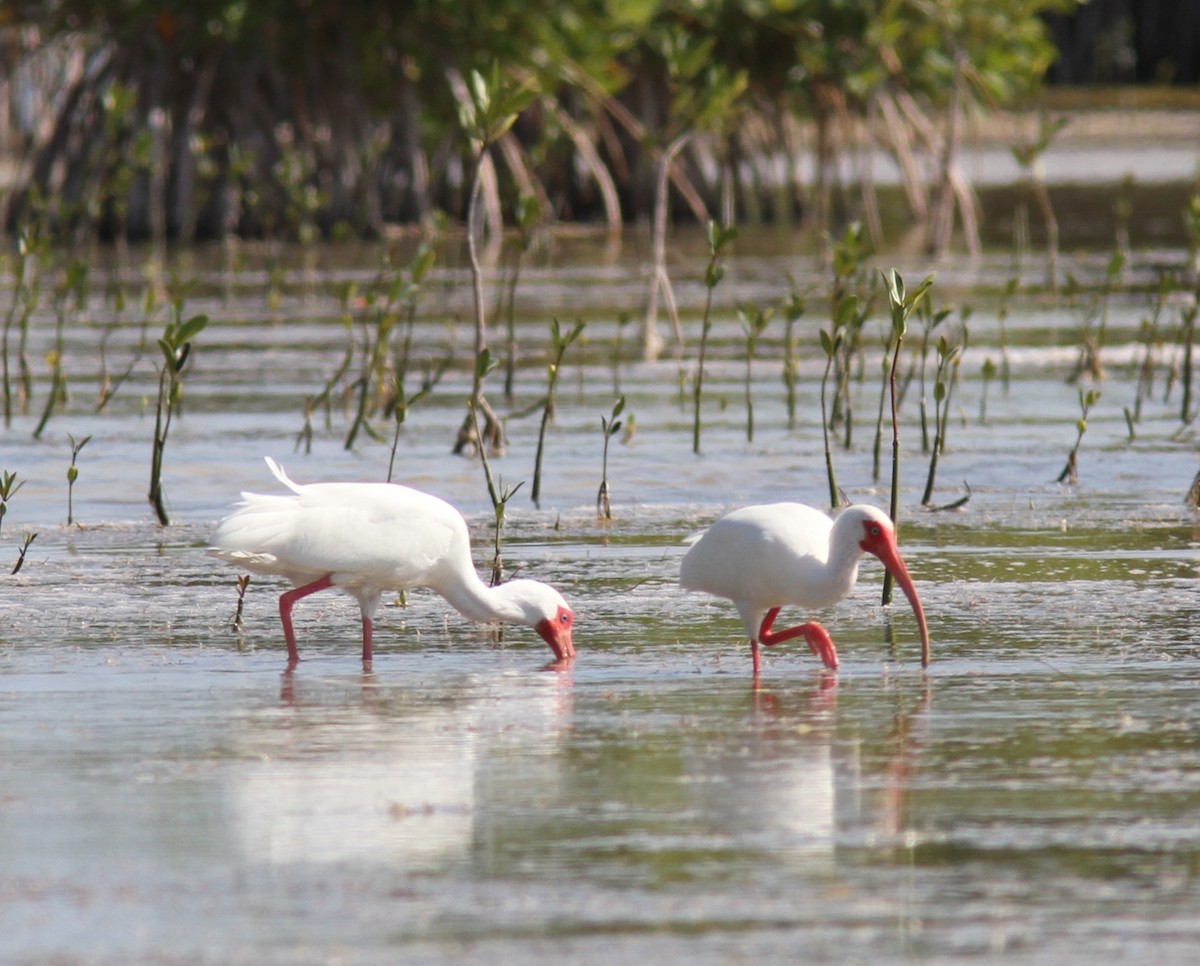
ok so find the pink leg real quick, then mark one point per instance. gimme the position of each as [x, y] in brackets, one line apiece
[367, 639]
[819, 641]
[286, 601]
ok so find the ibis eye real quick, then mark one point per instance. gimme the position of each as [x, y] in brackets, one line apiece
[874, 530]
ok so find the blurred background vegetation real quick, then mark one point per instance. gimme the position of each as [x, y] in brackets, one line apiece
[299, 119]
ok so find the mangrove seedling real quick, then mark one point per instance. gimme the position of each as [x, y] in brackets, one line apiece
[378, 384]
[8, 489]
[497, 492]
[831, 341]
[74, 284]
[109, 384]
[73, 474]
[719, 239]
[949, 355]
[403, 403]
[345, 293]
[610, 425]
[901, 303]
[418, 269]
[930, 320]
[486, 110]
[528, 213]
[792, 307]
[988, 372]
[176, 346]
[25, 544]
[560, 341]
[1087, 399]
[26, 292]
[753, 321]
[1028, 155]
[1185, 377]
[236, 621]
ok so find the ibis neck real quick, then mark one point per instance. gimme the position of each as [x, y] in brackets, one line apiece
[476, 601]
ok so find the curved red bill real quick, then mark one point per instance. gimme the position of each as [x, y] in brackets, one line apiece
[884, 547]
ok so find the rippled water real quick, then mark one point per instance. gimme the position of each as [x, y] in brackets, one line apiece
[169, 793]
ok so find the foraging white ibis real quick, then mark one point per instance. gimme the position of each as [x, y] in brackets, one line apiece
[371, 538]
[765, 557]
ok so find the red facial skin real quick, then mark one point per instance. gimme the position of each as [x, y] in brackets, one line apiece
[556, 632]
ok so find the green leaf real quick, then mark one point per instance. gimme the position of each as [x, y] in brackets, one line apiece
[190, 329]
[422, 263]
[844, 313]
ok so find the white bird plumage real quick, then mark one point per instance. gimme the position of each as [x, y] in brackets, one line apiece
[368, 539]
[772, 555]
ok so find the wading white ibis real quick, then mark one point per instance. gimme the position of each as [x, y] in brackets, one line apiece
[371, 538]
[765, 557]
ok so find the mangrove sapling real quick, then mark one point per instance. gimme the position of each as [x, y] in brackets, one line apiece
[1094, 325]
[831, 341]
[930, 320]
[27, 539]
[1010, 290]
[901, 303]
[110, 384]
[497, 492]
[719, 239]
[418, 269]
[610, 427]
[1028, 155]
[849, 277]
[949, 355]
[176, 346]
[1188, 320]
[26, 292]
[237, 621]
[560, 341]
[8, 489]
[703, 96]
[876, 449]
[73, 474]
[402, 403]
[793, 308]
[74, 284]
[753, 321]
[379, 384]
[1150, 337]
[488, 110]
[374, 373]
[528, 212]
[345, 292]
[1191, 224]
[1087, 399]
[987, 372]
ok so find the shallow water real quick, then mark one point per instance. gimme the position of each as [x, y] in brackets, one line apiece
[168, 792]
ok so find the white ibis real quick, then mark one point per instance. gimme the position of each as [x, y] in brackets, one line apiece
[764, 557]
[370, 538]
